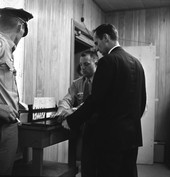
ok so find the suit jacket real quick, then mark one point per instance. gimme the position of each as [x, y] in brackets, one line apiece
[118, 98]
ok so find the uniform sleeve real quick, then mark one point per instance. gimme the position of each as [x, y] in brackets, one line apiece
[68, 101]
[2, 48]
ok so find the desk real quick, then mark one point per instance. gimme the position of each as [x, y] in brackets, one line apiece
[39, 137]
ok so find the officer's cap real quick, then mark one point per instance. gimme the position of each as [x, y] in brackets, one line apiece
[23, 15]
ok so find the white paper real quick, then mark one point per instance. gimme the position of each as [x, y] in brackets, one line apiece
[41, 103]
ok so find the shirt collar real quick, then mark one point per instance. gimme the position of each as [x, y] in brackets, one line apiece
[113, 48]
[91, 79]
[10, 42]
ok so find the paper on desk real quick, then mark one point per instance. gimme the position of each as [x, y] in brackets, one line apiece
[43, 102]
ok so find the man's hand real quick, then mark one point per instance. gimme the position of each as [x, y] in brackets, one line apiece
[59, 111]
[62, 113]
[65, 125]
[7, 113]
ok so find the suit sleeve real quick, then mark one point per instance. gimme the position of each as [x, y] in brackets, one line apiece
[143, 102]
[100, 88]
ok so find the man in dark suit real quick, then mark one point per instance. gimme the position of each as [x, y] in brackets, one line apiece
[118, 99]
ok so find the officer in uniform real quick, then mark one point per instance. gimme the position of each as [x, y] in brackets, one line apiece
[13, 26]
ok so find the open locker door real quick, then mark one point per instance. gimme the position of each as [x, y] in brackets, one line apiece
[147, 56]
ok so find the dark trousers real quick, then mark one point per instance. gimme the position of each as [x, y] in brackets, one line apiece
[117, 163]
[88, 157]
[8, 147]
[101, 162]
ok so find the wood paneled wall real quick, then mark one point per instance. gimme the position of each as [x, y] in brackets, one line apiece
[47, 55]
[145, 27]
[48, 51]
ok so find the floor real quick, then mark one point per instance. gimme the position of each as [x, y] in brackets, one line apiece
[155, 170]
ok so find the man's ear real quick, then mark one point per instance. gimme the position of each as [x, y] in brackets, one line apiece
[106, 37]
[19, 27]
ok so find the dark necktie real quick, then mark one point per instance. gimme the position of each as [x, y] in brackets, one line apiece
[87, 89]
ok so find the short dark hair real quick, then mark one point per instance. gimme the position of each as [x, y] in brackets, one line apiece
[106, 29]
[9, 18]
[93, 54]
[8, 22]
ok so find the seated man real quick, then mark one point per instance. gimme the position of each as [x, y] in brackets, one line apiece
[75, 97]
[77, 92]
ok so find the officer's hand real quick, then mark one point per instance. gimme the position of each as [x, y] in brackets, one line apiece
[8, 114]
